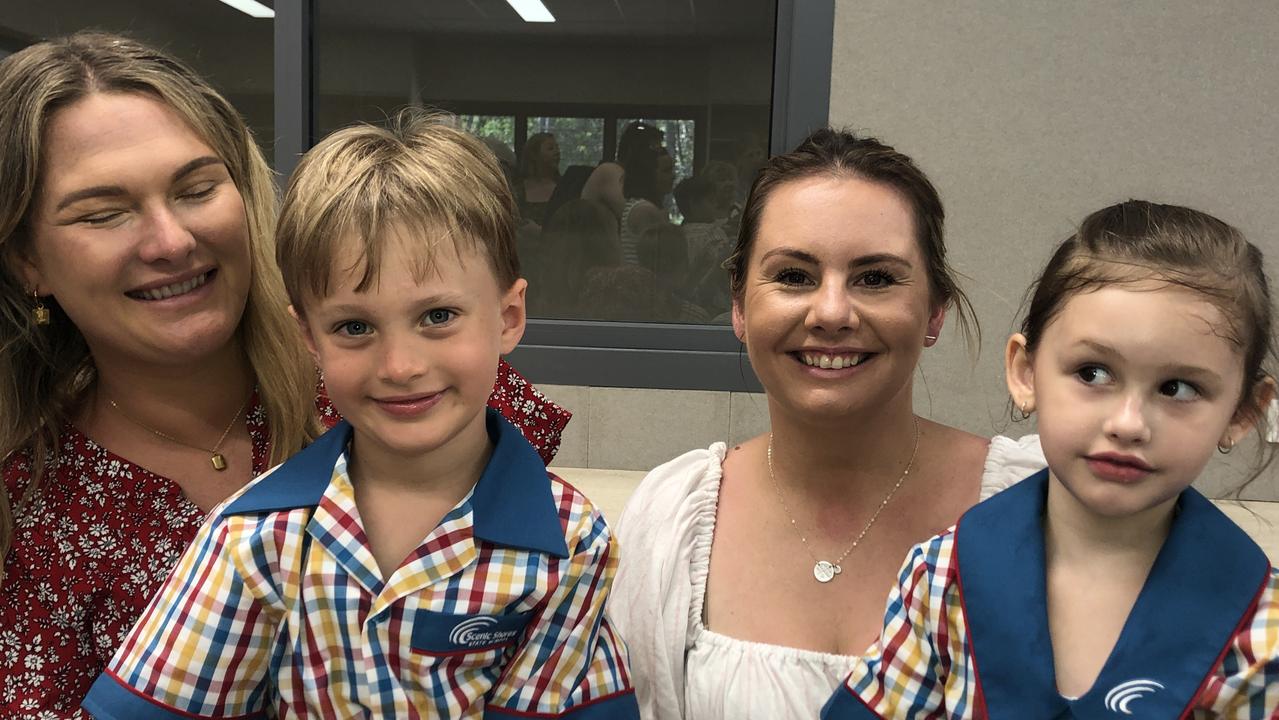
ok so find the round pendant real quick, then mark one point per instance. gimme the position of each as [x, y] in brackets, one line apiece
[825, 571]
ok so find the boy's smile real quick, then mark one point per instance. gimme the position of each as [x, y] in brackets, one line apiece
[409, 405]
[410, 360]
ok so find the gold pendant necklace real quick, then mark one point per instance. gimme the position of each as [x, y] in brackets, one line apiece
[216, 458]
[824, 570]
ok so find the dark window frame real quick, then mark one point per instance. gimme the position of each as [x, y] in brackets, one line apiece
[597, 353]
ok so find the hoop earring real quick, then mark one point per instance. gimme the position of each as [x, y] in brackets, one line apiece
[39, 313]
[1229, 445]
[1025, 414]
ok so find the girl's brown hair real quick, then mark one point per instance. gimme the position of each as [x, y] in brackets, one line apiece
[46, 370]
[838, 153]
[1138, 240]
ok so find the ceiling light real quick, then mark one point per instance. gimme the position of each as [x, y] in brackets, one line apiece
[252, 8]
[530, 10]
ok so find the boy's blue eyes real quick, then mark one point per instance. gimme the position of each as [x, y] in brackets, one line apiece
[353, 328]
[438, 316]
[357, 328]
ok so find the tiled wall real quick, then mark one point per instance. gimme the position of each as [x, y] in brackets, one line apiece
[639, 429]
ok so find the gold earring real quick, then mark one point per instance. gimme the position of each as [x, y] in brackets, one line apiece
[39, 312]
[1025, 414]
[1228, 446]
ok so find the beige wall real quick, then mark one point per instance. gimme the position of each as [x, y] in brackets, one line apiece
[1029, 114]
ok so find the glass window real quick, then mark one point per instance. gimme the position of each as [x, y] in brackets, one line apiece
[497, 127]
[679, 137]
[580, 140]
[231, 49]
[641, 99]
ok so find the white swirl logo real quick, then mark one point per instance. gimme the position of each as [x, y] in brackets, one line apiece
[477, 632]
[1123, 694]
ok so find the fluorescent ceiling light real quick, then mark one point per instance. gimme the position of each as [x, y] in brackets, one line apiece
[252, 8]
[530, 10]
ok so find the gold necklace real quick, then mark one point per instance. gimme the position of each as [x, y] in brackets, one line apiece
[216, 458]
[824, 570]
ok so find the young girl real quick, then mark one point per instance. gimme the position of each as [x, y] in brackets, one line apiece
[1105, 586]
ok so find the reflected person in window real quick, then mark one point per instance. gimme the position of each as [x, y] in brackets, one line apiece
[752, 577]
[650, 175]
[580, 239]
[607, 180]
[699, 199]
[539, 172]
[663, 249]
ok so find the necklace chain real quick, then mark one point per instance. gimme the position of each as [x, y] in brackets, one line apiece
[825, 570]
[216, 458]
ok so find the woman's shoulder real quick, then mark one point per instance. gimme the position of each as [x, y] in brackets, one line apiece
[995, 464]
[1008, 461]
[674, 494]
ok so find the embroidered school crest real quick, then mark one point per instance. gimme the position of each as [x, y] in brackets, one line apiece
[447, 634]
[1126, 693]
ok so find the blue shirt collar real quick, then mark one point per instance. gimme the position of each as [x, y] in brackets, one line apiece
[512, 502]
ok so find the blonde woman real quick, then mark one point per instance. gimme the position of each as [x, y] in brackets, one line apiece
[150, 366]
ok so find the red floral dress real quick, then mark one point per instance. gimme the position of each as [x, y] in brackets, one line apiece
[102, 534]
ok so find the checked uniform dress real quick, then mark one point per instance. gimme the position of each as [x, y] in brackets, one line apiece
[966, 631]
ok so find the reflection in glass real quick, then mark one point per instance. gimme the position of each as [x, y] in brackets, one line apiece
[498, 127]
[628, 131]
[232, 50]
[581, 139]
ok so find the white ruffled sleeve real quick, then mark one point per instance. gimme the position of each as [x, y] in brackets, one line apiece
[1009, 461]
[668, 521]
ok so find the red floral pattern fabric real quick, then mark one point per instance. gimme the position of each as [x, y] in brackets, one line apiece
[101, 535]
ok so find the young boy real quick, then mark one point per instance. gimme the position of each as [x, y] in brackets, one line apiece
[416, 561]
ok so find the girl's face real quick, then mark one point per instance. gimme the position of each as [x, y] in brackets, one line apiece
[1135, 386]
[836, 299]
[138, 232]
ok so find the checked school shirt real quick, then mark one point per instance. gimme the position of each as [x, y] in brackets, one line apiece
[966, 631]
[278, 608]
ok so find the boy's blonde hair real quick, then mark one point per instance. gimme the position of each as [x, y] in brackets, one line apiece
[419, 175]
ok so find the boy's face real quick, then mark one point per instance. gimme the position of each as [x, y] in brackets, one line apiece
[411, 364]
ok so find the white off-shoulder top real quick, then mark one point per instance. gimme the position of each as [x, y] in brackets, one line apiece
[682, 670]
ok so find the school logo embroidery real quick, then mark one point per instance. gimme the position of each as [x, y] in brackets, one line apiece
[1125, 693]
[437, 633]
[479, 632]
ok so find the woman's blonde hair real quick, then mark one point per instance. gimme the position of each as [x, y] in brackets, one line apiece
[45, 370]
